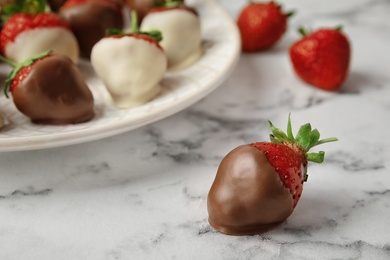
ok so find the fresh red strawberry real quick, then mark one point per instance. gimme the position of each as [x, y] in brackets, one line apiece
[322, 58]
[113, 56]
[261, 25]
[258, 185]
[89, 20]
[49, 89]
[41, 30]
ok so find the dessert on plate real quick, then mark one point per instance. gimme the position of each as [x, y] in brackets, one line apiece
[181, 30]
[131, 65]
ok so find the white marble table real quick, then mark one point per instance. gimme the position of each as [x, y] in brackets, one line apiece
[142, 195]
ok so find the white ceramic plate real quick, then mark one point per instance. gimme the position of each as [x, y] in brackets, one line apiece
[221, 44]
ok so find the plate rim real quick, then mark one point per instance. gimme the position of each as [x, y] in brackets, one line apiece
[9, 144]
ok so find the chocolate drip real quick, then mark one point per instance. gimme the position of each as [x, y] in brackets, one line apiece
[247, 196]
[89, 22]
[54, 92]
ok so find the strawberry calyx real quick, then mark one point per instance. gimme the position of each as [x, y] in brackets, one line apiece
[305, 32]
[154, 34]
[23, 6]
[18, 67]
[339, 28]
[290, 13]
[305, 139]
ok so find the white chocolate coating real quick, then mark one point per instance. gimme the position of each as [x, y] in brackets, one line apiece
[35, 41]
[130, 68]
[181, 33]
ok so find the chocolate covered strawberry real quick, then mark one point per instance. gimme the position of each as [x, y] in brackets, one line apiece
[322, 58]
[130, 65]
[29, 31]
[258, 185]
[261, 25]
[49, 89]
[89, 20]
[181, 30]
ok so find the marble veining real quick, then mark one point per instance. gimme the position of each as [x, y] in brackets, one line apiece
[143, 194]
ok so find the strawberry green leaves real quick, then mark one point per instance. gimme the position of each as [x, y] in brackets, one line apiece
[156, 35]
[22, 6]
[18, 67]
[25, 6]
[305, 139]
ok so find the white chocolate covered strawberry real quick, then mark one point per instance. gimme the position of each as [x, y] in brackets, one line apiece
[181, 30]
[131, 66]
[32, 31]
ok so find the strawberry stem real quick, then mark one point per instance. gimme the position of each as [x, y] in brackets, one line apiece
[339, 28]
[290, 14]
[302, 31]
[134, 22]
[156, 35]
[9, 62]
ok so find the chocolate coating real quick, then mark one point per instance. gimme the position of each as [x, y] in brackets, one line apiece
[247, 196]
[54, 92]
[89, 22]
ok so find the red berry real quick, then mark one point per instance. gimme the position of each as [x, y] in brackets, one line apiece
[261, 25]
[322, 58]
[288, 163]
